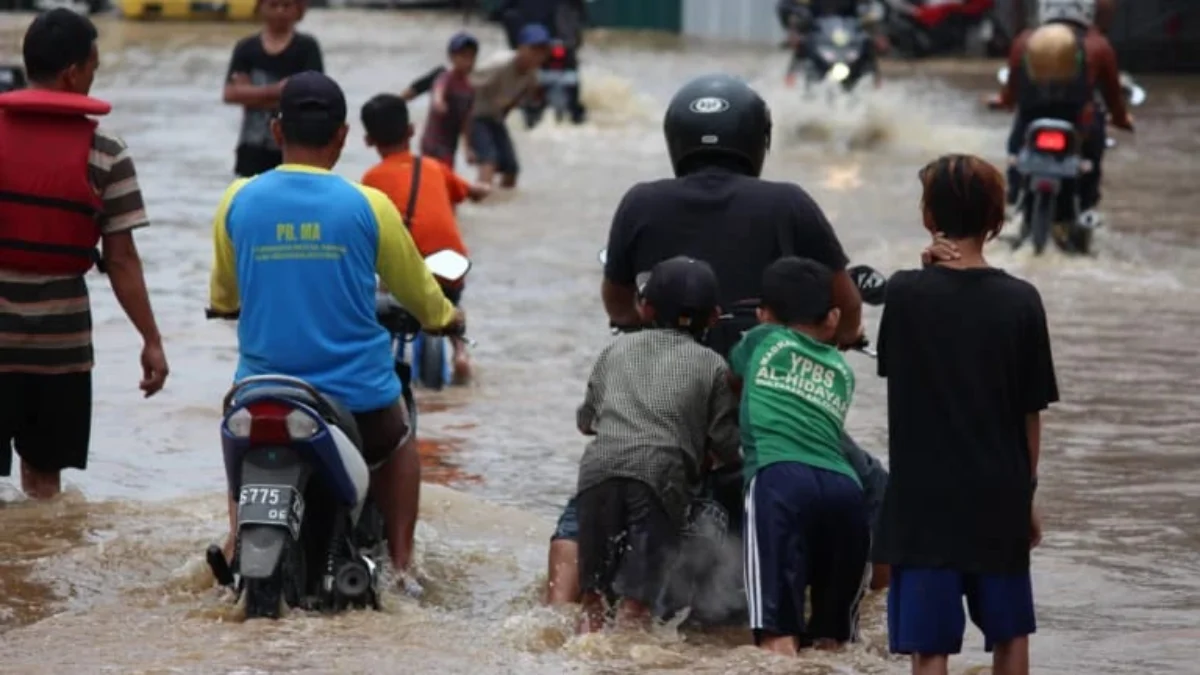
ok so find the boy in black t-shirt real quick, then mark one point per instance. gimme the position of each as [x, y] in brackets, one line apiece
[966, 352]
[259, 66]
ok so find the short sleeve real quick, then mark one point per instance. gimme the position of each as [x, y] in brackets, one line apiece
[1041, 384]
[813, 235]
[892, 304]
[739, 356]
[618, 266]
[242, 60]
[457, 186]
[313, 59]
[117, 181]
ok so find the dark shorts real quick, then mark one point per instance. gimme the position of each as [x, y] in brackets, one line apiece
[805, 527]
[253, 160]
[568, 523]
[382, 431]
[47, 419]
[925, 609]
[493, 145]
[626, 541]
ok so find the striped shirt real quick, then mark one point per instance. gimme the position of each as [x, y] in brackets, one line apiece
[658, 402]
[46, 321]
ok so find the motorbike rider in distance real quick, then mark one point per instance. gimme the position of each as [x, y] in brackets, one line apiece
[1055, 72]
[796, 18]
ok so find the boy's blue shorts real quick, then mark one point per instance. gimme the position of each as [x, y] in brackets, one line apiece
[568, 523]
[925, 609]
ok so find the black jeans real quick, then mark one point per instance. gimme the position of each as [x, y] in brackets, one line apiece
[1094, 144]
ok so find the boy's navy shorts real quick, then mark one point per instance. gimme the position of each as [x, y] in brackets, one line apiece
[925, 609]
[805, 527]
[493, 145]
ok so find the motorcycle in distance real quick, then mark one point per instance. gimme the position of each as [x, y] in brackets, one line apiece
[308, 536]
[712, 535]
[1050, 164]
[932, 29]
[558, 89]
[836, 51]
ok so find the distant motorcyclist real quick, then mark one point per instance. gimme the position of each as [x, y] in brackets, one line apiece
[796, 17]
[1056, 71]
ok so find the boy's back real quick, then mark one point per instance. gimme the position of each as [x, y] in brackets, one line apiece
[434, 226]
[657, 400]
[967, 357]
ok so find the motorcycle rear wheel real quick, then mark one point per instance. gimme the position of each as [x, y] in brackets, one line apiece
[1041, 219]
[268, 598]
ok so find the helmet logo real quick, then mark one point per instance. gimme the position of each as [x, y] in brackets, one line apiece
[709, 105]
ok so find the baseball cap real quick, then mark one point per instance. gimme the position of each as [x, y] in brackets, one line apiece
[460, 41]
[311, 99]
[533, 34]
[797, 290]
[680, 289]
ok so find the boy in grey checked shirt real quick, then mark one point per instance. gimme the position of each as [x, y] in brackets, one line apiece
[659, 407]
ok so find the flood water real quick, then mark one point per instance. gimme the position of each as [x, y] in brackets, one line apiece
[109, 578]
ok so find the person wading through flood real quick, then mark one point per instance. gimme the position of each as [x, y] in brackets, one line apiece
[258, 69]
[66, 185]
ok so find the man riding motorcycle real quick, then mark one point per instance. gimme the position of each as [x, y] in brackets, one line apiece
[296, 250]
[796, 18]
[1056, 71]
[718, 210]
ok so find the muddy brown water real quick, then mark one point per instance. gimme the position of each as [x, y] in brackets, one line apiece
[109, 578]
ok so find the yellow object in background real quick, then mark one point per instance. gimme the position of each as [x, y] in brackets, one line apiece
[188, 10]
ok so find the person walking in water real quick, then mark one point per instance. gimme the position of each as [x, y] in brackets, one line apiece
[260, 65]
[66, 186]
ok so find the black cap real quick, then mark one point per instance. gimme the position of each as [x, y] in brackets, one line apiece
[798, 290]
[681, 290]
[312, 99]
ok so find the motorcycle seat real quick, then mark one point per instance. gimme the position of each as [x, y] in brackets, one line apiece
[330, 409]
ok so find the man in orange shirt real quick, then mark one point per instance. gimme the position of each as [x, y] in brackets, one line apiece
[424, 190]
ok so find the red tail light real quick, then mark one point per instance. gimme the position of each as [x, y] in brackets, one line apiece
[1050, 141]
[268, 423]
[558, 53]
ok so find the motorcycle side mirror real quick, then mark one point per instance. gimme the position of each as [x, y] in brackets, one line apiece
[1002, 75]
[871, 283]
[602, 256]
[448, 265]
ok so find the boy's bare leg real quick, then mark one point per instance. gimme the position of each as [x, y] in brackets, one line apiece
[487, 174]
[1012, 657]
[592, 618]
[784, 645]
[508, 180]
[396, 489]
[562, 588]
[40, 484]
[827, 645]
[930, 664]
[462, 363]
[632, 614]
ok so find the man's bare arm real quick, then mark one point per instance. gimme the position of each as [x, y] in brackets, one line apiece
[846, 297]
[124, 267]
[620, 302]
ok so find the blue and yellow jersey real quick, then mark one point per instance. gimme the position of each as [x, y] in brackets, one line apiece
[297, 250]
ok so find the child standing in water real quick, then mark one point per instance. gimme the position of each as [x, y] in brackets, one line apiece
[261, 63]
[453, 98]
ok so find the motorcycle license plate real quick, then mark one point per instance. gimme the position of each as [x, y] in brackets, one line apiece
[558, 77]
[280, 505]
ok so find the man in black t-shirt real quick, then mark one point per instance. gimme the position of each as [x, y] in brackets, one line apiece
[966, 352]
[259, 66]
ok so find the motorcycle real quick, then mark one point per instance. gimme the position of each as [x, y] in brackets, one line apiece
[1050, 163]
[430, 359]
[295, 448]
[1135, 94]
[836, 51]
[558, 88]
[12, 78]
[918, 31]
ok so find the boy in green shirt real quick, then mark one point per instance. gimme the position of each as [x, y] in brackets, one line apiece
[806, 522]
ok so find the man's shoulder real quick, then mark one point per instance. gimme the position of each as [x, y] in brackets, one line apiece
[107, 146]
[249, 44]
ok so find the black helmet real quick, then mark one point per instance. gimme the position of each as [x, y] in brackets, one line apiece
[718, 115]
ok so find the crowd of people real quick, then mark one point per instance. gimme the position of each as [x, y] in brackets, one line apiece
[734, 293]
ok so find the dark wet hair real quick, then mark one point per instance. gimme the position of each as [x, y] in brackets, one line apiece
[798, 291]
[964, 196]
[385, 117]
[55, 41]
[301, 7]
